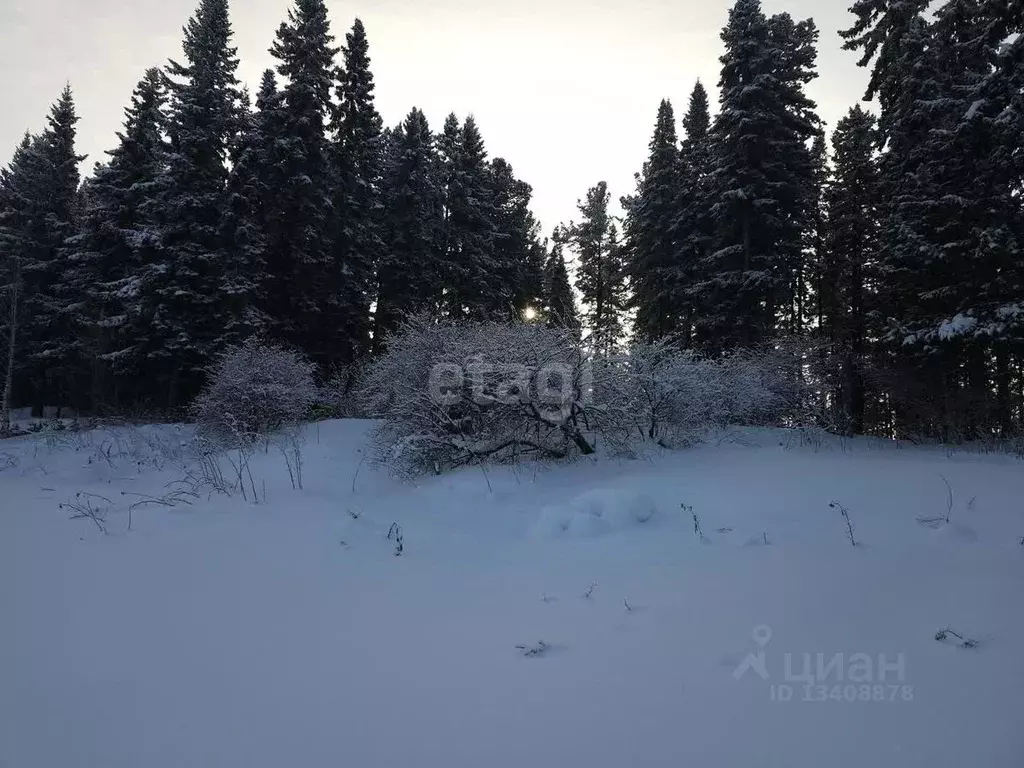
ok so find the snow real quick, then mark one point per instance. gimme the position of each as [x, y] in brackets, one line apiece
[958, 326]
[595, 513]
[288, 632]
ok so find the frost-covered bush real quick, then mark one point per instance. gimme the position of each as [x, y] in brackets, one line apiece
[254, 390]
[675, 395]
[451, 395]
[448, 395]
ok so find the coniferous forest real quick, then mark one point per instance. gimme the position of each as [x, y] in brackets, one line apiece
[887, 250]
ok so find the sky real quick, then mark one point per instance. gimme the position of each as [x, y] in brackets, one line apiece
[566, 90]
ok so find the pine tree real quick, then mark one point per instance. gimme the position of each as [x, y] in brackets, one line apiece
[304, 297]
[654, 261]
[516, 282]
[409, 274]
[114, 244]
[693, 223]
[762, 166]
[880, 31]
[181, 288]
[560, 304]
[850, 246]
[601, 273]
[470, 282]
[243, 276]
[449, 148]
[995, 121]
[40, 209]
[936, 271]
[18, 204]
[358, 167]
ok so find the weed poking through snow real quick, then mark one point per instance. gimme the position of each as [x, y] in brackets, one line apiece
[964, 642]
[83, 507]
[395, 534]
[534, 650]
[935, 522]
[846, 516]
[697, 529]
[590, 591]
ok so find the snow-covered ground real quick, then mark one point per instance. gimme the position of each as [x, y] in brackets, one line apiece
[289, 633]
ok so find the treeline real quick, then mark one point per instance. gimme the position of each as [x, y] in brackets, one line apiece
[301, 219]
[889, 249]
[897, 256]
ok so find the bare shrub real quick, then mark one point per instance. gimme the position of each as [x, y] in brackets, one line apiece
[451, 395]
[674, 396]
[254, 391]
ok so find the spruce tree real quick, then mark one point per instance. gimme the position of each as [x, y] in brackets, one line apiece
[243, 276]
[358, 167]
[181, 299]
[560, 303]
[40, 211]
[304, 298]
[409, 274]
[601, 271]
[762, 166]
[693, 214]
[516, 282]
[654, 264]
[851, 245]
[471, 288]
[114, 246]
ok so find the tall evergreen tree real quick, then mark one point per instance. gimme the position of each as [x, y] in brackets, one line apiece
[693, 217]
[243, 276]
[40, 212]
[949, 231]
[359, 165]
[517, 280]
[181, 299]
[409, 273]
[850, 247]
[560, 303]
[114, 246]
[304, 301]
[601, 273]
[761, 168]
[654, 263]
[470, 289]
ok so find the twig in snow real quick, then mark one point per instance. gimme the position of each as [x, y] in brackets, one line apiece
[965, 642]
[696, 521]
[534, 650]
[395, 533]
[82, 507]
[846, 516]
[949, 498]
[629, 608]
[358, 467]
[590, 591]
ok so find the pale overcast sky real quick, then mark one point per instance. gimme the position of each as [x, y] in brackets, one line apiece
[566, 90]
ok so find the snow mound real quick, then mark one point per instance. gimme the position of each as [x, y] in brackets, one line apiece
[594, 513]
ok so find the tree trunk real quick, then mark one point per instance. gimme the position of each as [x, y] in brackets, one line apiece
[1004, 414]
[12, 335]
